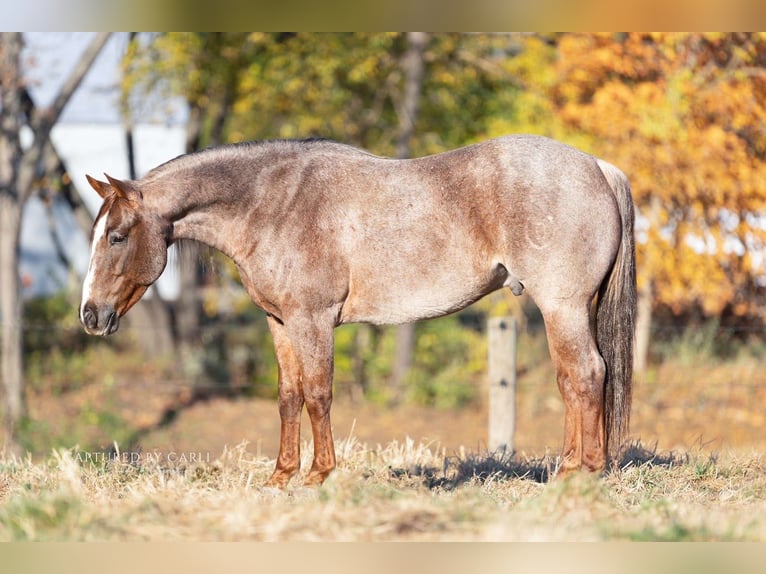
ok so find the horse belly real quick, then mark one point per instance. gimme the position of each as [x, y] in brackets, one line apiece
[394, 298]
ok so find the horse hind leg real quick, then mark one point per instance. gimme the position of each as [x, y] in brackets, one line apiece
[580, 374]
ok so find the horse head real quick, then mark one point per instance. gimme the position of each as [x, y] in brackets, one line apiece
[128, 253]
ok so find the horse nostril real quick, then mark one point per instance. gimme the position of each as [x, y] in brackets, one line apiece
[89, 316]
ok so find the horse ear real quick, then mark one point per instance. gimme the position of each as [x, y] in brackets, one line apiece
[102, 188]
[125, 189]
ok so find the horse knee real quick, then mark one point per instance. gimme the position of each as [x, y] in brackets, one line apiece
[318, 398]
[597, 371]
[290, 401]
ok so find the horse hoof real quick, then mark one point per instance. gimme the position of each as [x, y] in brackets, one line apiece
[563, 472]
[314, 481]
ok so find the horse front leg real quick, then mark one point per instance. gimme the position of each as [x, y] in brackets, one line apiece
[290, 407]
[304, 347]
[316, 352]
[318, 401]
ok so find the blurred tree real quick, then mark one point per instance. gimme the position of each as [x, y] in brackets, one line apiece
[205, 68]
[347, 87]
[684, 115]
[413, 69]
[150, 320]
[19, 171]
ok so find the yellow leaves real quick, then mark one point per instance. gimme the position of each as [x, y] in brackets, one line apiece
[684, 115]
[364, 70]
[691, 271]
[534, 65]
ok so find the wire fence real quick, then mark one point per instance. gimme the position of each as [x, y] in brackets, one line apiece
[691, 347]
[677, 328]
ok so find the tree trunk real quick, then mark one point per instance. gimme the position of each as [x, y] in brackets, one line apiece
[18, 171]
[150, 320]
[414, 70]
[645, 299]
[11, 316]
[187, 316]
[150, 323]
[11, 370]
[188, 309]
[189, 306]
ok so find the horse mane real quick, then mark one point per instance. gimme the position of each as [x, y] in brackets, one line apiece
[185, 252]
[205, 155]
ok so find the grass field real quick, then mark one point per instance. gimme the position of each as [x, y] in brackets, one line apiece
[696, 470]
[400, 492]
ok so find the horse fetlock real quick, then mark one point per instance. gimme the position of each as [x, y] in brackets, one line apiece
[569, 464]
[593, 461]
[280, 478]
[317, 477]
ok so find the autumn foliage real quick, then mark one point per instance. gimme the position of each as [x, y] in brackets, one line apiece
[683, 115]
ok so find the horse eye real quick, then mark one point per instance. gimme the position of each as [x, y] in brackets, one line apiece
[115, 238]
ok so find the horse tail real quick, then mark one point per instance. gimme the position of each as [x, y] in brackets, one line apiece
[615, 319]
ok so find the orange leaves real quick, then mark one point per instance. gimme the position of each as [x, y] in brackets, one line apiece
[684, 115]
[588, 61]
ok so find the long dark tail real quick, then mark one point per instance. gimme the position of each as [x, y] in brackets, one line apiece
[615, 319]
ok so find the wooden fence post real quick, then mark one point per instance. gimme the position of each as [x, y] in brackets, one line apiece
[502, 382]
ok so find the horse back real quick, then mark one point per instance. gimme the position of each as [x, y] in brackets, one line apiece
[401, 240]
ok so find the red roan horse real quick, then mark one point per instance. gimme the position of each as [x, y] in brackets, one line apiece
[325, 234]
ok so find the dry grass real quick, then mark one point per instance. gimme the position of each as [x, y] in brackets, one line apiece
[704, 480]
[403, 491]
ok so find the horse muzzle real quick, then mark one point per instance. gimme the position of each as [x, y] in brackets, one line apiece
[103, 321]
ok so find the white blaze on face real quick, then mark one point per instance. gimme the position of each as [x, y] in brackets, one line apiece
[98, 233]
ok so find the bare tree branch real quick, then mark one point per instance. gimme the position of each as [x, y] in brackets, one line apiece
[42, 121]
[18, 171]
[45, 118]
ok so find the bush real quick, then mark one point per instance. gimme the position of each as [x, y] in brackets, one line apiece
[52, 323]
[449, 362]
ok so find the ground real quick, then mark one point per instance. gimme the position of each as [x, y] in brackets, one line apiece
[676, 406]
[695, 470]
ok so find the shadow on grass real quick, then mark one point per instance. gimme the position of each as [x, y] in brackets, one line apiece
[481, 467]
[635, 454]
[504, 465]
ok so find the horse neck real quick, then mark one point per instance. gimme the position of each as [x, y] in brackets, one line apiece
[201, 204]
